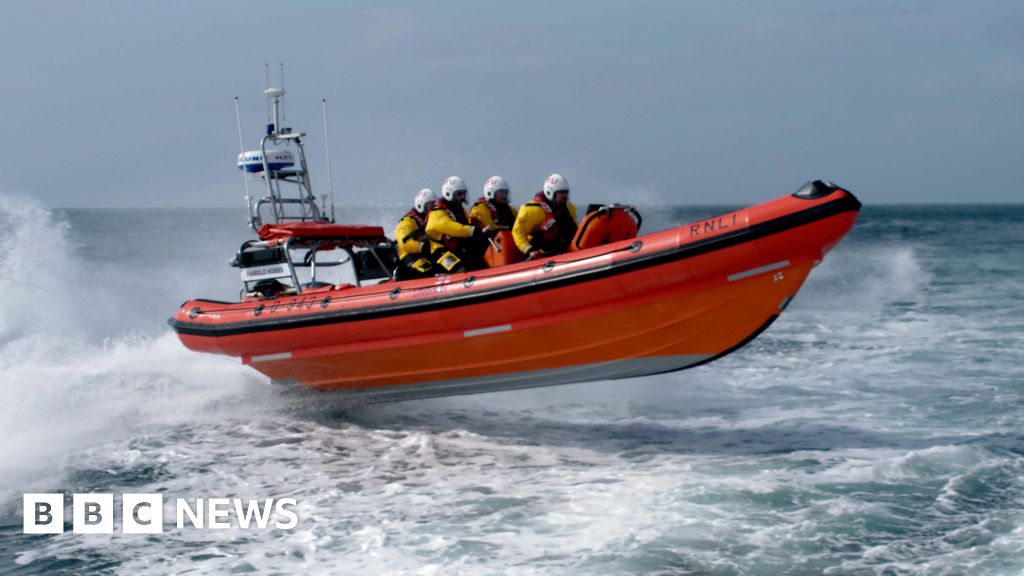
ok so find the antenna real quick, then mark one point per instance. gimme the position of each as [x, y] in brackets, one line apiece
[241, 146]
[266, 68]
[282, 88]
[327, 149]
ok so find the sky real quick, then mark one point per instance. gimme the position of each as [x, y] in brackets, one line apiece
[131, 104]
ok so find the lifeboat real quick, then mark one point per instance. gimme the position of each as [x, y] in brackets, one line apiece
[617, 305]
[644, 305]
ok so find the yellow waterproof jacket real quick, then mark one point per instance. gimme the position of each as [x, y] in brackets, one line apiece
[443, 226]
[410, 235]
[483, 212]
[529, 220]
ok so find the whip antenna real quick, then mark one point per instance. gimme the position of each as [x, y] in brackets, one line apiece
[241, 150]
[282, 88]
[266, 68]
[327, 149]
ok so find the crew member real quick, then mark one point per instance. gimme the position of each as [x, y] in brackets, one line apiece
[411, 237]
[493, 209]
[546, 224]
[455, 244]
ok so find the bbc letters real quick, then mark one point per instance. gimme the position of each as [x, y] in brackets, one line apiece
[145, 513]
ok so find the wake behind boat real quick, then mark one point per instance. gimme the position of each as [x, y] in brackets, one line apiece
[618, 305]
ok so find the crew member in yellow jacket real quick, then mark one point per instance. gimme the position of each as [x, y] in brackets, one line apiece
[546, 224]
[455, 244]
[493, 208]
[412, 241]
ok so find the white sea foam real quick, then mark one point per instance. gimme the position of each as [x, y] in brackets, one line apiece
[64, 390]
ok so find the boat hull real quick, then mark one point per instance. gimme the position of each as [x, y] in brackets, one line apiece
[661, 302]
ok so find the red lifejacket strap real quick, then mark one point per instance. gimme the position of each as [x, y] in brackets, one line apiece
[420, 219]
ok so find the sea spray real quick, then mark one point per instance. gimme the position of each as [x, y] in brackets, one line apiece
[63, 387]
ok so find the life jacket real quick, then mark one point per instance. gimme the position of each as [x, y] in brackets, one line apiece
[501, 214]
[458, 214]
[421, 222]
[412, 264]
[557, 230]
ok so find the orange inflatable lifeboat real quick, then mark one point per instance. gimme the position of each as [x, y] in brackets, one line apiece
[618, 305]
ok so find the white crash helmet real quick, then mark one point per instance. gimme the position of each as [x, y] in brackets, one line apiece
[555, 183]
[452, 185]
[424, 198]
[494, 184]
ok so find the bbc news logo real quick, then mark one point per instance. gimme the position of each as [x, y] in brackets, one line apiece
[144, 513]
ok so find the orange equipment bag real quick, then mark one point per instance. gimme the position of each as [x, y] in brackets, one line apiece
[509, 253]
[606, 224]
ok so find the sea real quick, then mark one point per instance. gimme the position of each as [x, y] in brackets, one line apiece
[876, 428]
